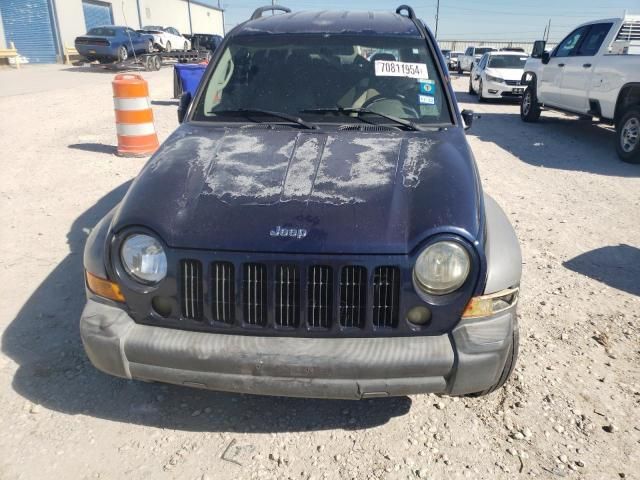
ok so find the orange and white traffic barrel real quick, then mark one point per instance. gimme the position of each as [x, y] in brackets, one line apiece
[134, 117]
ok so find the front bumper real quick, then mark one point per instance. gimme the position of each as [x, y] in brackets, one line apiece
[502, 90]
[468, 360]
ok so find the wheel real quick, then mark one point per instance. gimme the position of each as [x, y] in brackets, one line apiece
[471, 90]
[510, 364]
[628, 136]
[150, 46]
[529, 107]
[147, 63]
[186, 47]
[167, 47]
[481, 97]
[460, 72]
[157, 62]
[123, 54]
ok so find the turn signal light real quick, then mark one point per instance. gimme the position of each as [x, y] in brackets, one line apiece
[486, 305]
[104, 288]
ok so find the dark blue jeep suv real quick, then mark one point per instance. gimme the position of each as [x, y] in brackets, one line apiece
[315, 227]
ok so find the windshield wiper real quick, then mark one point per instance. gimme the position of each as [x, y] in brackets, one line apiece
[348, 110]
[257, 111]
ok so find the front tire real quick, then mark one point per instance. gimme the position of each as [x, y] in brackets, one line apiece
[150, 46]
[168, 47]
[628, 136]
[186, 47]
[471, 90]
[529, 106]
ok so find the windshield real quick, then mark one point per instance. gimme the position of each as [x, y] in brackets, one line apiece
[482, 51]
[506, 61]
[295, 74]
[102, 32]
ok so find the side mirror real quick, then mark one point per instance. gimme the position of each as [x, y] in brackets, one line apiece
[185, 101]
[538, 48]
[467, 117]
[546, 56]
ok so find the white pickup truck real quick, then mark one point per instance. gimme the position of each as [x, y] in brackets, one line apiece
[594, 72]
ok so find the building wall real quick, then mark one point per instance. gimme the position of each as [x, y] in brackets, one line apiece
[71, 16]
[206, 20]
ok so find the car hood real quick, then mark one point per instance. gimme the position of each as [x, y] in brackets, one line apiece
[286, 190]
[506, 73]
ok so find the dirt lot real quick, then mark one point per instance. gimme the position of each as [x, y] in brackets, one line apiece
[571, 409]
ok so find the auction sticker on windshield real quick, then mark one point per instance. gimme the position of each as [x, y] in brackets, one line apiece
[386, 68]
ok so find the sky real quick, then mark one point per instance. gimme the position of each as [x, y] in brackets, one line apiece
[467, 19]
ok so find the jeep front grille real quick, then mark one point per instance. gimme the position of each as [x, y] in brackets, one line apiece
[254, 294]
[353, 296]
[287, 296]
[192, 301]
[386, 293]
[298, 297]
[320, 291]
[223, 293]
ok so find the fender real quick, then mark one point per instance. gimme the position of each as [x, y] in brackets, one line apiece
[94, 249]
[529, 78]
[628, 95]
[504, 259]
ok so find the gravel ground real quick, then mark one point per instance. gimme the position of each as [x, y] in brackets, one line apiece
[570, 410]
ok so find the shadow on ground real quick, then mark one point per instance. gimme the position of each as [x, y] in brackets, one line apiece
[616, 266]
[557, 141]
[94, 147]
[53, 370]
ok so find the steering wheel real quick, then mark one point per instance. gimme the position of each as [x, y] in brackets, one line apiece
[409, 108]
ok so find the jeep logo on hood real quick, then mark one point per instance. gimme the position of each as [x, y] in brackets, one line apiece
[279, 231]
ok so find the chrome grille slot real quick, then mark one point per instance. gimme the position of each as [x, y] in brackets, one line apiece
[191, 291]
[223, 292]
[320, 296]
[386, 293]
[353, 296]
[254, 293]
[287, 292]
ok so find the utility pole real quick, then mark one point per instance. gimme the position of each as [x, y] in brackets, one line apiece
[190, 24]
[437, 17]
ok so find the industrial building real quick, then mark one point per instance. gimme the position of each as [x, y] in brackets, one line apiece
[41, 28]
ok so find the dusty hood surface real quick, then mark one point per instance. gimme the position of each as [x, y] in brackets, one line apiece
[340, 192]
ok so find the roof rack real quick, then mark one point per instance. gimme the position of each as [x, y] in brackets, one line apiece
[270, 8]
[410, 13]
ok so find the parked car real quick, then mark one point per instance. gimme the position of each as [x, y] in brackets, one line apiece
[205, 41]
[167, 38]
[498, 75]
[593, 72]
[112, 42]
[315, 227]
[453, 60]
[471, 56]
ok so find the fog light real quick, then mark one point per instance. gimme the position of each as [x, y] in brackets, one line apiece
[493, 92]
[162, 306]
[419, 315]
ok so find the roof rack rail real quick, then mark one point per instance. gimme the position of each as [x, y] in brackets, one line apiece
[410, 13]
[259, 11]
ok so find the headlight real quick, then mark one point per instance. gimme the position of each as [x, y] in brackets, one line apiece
[491, 78]
[143, 258]
[442, 267]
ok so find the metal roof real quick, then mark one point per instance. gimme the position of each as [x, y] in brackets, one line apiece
[332, 22]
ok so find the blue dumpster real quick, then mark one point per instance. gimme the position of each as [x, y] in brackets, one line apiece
[187, 77]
